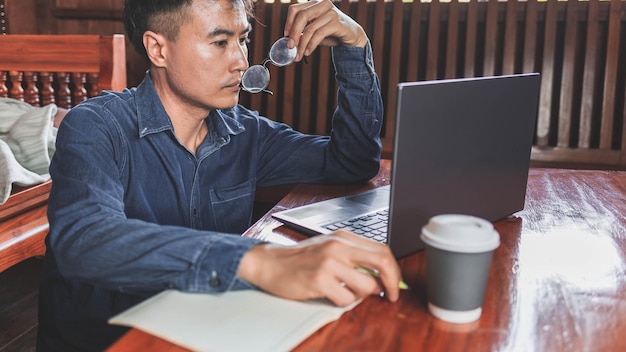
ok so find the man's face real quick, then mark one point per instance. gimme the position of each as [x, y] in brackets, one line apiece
[205, 63]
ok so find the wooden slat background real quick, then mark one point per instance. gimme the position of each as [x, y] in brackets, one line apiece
[578, 46]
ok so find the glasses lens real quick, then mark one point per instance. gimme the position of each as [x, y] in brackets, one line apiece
[255, 79]
[280, 54]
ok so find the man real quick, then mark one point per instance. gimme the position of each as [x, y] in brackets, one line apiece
[153, 186]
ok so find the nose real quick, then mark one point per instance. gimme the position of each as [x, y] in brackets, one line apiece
[240, 58]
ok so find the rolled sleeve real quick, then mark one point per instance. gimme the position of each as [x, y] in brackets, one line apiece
[352, 61]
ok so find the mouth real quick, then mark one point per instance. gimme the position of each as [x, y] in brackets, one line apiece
[233, 85]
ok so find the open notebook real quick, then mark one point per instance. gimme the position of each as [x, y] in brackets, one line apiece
[233, 321]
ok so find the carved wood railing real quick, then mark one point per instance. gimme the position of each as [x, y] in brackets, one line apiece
[578, 46]
[3, 18]
[60, 69]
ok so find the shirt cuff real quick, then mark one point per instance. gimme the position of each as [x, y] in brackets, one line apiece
[219, 264]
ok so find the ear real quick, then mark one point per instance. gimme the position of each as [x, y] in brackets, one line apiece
[156, 47]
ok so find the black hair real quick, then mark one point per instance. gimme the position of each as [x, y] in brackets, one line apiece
[160, 16]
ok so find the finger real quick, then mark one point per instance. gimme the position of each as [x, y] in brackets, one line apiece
[359, 283]
[388, 273]
[377, 256]
[314, 33]
[350, 286]
[302, 18]
[292, 13]
[299, 15]
[340, 294]
[339, 268]
[331, 285]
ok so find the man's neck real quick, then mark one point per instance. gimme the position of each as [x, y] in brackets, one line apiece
[189, 122]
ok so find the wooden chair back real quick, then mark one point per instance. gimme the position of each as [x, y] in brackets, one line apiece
[60, 69]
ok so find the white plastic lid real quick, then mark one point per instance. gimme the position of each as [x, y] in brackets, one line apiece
[460, 233]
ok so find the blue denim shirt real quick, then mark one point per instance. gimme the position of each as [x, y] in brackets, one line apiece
[133, 212]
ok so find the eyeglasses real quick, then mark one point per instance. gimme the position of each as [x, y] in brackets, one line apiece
[257, 77]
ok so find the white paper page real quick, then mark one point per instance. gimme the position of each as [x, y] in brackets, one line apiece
[234, 321]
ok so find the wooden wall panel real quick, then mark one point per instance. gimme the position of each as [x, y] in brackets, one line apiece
[470, 38]
[612, 61]
[576, 46]
[589, 76]
[579, 47]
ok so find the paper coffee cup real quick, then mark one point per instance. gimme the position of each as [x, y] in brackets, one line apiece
[458, 257]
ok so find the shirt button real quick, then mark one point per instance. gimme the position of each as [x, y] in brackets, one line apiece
[215, 280]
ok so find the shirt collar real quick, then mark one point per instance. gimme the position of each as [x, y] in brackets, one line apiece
[152, 117]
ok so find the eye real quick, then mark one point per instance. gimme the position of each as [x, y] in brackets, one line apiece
[221, 43]
[244, 41]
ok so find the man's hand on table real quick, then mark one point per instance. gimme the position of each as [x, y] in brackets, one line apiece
[323, 266]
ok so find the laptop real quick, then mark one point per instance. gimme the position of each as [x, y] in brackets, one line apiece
[461, 146]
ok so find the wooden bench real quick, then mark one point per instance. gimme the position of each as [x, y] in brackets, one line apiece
[49, 69]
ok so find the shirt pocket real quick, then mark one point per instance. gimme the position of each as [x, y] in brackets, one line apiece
[232, 207]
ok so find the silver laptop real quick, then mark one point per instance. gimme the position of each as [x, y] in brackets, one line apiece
[461, 146]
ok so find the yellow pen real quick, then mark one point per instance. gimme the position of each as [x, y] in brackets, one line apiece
[374, 273]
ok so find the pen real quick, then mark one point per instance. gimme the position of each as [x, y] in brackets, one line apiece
[374, 273]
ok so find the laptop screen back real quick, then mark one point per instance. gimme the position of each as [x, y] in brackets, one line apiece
[461, 146]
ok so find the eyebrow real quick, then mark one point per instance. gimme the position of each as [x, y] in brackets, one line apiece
[228, 32]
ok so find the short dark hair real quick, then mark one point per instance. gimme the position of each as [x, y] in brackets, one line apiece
[160, 16]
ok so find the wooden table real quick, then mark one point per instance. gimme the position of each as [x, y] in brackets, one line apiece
[557, 282]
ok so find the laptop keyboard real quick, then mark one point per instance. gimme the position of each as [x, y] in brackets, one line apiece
[372, 225]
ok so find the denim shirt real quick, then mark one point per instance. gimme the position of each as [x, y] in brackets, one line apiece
[132, 211]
